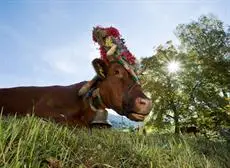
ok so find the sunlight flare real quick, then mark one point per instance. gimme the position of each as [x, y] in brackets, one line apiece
[173, 66]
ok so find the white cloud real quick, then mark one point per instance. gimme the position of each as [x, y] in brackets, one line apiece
[73, 59]
[65, 59]
[94, 52]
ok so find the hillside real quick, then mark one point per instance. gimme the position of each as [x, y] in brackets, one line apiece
[121, 121]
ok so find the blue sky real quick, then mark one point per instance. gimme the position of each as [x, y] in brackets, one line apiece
[49, 42]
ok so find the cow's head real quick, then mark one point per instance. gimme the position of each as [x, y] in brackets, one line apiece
[120, 92]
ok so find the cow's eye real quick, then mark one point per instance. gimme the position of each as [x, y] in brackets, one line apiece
[116, 72]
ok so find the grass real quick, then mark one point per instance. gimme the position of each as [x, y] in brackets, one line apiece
[31, 142]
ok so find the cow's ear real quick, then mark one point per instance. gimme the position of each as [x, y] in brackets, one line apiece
[100, 67]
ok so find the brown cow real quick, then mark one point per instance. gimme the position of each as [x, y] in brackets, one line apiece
[116, 90]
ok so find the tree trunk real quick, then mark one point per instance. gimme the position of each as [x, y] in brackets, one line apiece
[176, 118]
[177, 125]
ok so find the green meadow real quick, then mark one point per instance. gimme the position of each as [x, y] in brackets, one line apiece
[31, 142]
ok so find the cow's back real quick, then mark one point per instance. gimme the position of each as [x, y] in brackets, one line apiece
[21, 100]
[59, 103]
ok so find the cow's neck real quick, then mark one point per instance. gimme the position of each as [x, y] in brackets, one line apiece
[95, 101]
[92, 104]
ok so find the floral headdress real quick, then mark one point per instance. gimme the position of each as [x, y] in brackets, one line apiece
[100, 32]
[125, 58]
[99, 35]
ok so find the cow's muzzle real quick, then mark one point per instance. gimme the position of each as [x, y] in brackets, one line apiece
[142, 108]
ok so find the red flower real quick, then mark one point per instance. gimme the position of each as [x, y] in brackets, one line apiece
[111, 31]
[103, 54]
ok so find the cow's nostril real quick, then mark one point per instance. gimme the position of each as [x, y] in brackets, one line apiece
[143, 105]
[143, 102]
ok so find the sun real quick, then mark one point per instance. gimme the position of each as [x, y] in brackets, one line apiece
[173, 67]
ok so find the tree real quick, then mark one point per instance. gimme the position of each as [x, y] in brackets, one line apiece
[199, 93]
[208, 44]
[164, 87]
